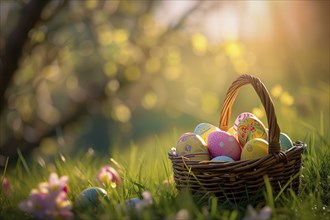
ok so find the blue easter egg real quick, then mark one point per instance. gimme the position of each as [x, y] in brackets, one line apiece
[90, 197]
[223, 158]
[285, 141]
[132, 202]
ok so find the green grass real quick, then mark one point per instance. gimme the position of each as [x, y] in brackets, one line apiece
[144, 166]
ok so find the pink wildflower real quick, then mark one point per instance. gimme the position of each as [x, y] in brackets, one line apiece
[55, 185]
[6, 186]
[39, 204]
[108, 175]
[64, 206]
[50, 200]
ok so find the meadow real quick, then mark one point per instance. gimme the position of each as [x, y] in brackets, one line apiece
[145, 167]
[116, 83]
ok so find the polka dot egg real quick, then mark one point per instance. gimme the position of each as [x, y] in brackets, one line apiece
[221, 143]
[192, 146]
[254, 149]
[250, 128]
[204, 129]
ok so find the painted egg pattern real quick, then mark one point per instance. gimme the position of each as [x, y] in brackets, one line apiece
[204, 129]
[240, 117]
[221, 143]
[254, 149]
[250, 128]
[192, 146]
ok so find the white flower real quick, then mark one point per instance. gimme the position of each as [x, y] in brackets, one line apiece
[264, 214]
[140, 204]
[182, 214]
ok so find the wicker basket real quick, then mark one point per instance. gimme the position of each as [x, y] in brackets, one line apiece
[242, 180]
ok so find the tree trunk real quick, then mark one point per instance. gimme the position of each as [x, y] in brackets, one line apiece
[12, 51]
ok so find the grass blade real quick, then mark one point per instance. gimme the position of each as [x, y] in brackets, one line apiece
[20, 156]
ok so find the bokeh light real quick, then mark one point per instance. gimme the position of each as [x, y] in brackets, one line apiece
[102, 67]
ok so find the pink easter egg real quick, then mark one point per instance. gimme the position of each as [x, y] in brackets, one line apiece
[240, 117]
[221, 143]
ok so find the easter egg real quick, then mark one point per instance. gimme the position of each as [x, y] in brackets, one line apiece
[222, 158]
[204, 129]
[232, 131]
[240, 117]
[254, 149]
[221, 143]
[192, 146]
[132, 202]
[285, 141]
[90, 197]
[250, 128]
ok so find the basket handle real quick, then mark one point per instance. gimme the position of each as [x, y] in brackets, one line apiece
[259, 87]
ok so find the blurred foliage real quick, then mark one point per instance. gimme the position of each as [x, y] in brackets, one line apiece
[125, 70]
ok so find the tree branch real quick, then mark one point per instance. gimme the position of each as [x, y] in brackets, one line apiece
[33, 136]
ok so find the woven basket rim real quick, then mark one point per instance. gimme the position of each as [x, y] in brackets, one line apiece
[298, 146]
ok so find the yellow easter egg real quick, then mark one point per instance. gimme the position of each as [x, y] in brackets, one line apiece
[192, 146]
[232, 131]
[254, 149]
[204, 129]
[250, 128]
